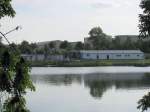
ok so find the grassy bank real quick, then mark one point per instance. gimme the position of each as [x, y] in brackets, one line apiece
[88, 63]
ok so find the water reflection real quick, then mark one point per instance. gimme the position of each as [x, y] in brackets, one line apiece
[97, 88]
[97, 83]
[57, 79]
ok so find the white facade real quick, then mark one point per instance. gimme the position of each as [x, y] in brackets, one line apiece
[41, 57]
[56, 57]
[33, 57]
[111, 54]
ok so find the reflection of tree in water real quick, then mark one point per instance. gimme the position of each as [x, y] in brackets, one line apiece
[57, 79]
[146, 78]
[100, 83]
[97, 87]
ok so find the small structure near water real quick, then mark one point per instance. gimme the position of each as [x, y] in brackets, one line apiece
[42, 57]
[33, 57]
[111, 54]
[89, 55]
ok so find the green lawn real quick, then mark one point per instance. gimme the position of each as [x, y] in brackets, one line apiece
[86, 63]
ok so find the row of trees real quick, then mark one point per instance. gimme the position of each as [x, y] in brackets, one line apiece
[101, 41]
[31, 48]
[97, 41]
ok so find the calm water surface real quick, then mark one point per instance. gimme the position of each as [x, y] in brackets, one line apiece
[91, 89]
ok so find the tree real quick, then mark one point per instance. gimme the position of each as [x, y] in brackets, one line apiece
[2, 48]
[129, 45]
[99, 40]
[6, 9]
[15, 104]
[96, 32]
[46, 51]
[14, 72]
[144, 25]
[87, 46]
[34, 47]
[79, 46]
[145, 46]
[25, 47]
[64, 45]
[52, 45]
[144, 103]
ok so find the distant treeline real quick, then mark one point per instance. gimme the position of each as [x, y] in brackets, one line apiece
[97, 40]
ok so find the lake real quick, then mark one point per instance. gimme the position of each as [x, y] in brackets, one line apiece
[88, 89]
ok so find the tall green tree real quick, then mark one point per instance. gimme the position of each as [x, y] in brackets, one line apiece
[144, 25]
[6, 9]
[79, 46]
[25, 47]
[99, 39]
[51, 45]
[96, 32]
[129, 45]
[65, 45]
[46, 51]
[14, 71]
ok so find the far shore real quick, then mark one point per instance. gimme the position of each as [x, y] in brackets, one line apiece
[91, 63]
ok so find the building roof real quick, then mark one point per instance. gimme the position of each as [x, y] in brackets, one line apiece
[111, 51]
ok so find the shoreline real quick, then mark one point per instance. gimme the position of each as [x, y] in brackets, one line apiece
[92, 63]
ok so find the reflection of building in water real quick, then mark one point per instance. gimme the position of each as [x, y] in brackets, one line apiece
[33, 57]
[42, 57]
[126, 80]
[98, 83]
[57, 79]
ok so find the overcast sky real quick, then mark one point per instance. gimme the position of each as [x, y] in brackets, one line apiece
[45, 20]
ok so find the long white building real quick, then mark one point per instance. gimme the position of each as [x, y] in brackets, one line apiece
[111, 54]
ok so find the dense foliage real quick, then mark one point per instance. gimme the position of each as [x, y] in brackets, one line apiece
[98, 43]
[144, 103]
[14, 71]
[6, 9]
[15, 104]
[14, 77]
[144, 25]
[98, 39]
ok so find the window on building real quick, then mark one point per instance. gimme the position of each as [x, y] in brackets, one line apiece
[126, 55]
[88, 54]
[97, 56]
[118, 55]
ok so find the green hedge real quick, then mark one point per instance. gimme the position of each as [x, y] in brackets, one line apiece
[88, 63]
